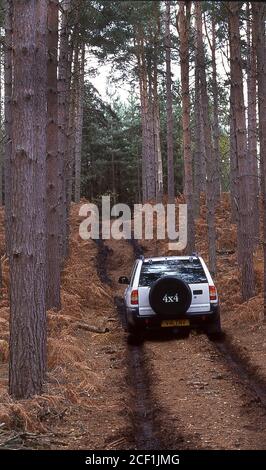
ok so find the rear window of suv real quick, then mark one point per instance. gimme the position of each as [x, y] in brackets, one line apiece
[191, 272]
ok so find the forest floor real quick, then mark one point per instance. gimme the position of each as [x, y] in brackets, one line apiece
[103, 393]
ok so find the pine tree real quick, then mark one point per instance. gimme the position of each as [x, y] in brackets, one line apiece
[79, 124]
[53, 226]
[252, 125]
[259, 16]
[63, 67]
[210, 160]
[27, 295]
[245, 245]
[215, 123]
[183, 26]
[169, 101]
[8, 116]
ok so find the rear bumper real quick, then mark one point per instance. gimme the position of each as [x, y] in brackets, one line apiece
[196, 320]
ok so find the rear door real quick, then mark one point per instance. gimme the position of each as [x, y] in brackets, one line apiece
[200, 298]
[190, 270]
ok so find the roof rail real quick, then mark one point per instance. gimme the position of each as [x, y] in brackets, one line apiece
[195, 253]
[142, 257]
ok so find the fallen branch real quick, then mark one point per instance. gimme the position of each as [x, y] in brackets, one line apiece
[116, 443]
[10, 439]
[93, 329]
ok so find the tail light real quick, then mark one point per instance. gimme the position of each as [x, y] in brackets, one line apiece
[134, 297]
[213, 293]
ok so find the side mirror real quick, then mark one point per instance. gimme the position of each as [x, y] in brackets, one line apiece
[123, 280]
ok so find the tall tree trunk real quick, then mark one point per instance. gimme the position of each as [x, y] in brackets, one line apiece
[152, 171]
[233, 164]
[1, 131]
[79, 125]
[63, 123]
[72, 90]
[216, 130]
[197, 169]
[245, 245]
[40, 175]
[8, 117]
[156, 107]
[152, 164]
[259, 16]
[27, 309]
[1, 153]
[169, 108]
[157, 141]
[252, 125]
[69, 159]
[210, 163]
[199, 151]
[183, 26]
[142, 75]
[53, 297]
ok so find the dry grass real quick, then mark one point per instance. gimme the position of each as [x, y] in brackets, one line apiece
[3, 350]
[71, 377]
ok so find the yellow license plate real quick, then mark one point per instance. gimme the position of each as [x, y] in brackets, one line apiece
[172, 323]
[183, 322]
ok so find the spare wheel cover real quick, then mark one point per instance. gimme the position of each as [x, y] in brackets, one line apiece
[170, 296]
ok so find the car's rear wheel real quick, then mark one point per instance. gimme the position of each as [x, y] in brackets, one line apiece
[183, 333]
[135, 339]
[214, 330]
[135, 334]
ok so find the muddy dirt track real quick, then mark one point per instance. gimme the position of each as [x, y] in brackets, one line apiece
[187, 393]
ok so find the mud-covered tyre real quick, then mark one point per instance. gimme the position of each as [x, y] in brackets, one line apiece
[183, 333]
[214, 330]
[135, 334]
[170, 296]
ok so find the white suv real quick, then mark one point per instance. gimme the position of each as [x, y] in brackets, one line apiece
[171, 292]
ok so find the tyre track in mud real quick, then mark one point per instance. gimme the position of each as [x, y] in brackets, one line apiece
[244, 378]
[141, 417]
[188, 394]
[147, 435]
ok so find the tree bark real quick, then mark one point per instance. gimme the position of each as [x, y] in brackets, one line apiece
[40, 174]
[63, 123]
[245, 245]
[53, 296]
[69, 158]
[8, 117]
[157, 142]
[216, 130]
[72, 122]
[169, 107]
[210, 163]
[183, 27]
[199, 151]
[1, 131]
[151, 136]
[156, 107]
[233, 164]
[152, 178]
[259, 16]
[79, 126]
[252, 126]
[27, 309]
[142, 75]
